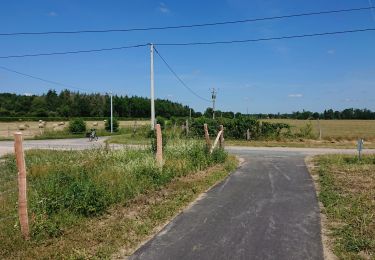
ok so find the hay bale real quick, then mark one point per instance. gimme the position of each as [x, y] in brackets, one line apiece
[55, 125]
[41, 125]
[61, 123]
[22, 127]
[95, 124]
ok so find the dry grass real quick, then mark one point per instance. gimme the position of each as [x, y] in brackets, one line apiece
[336, 129]
[347, 191]
[8, 128]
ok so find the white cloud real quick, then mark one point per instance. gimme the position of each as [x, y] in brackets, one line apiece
[331, 52]
[295, 95]
[163, 8]
[52, 13]
[27, 94]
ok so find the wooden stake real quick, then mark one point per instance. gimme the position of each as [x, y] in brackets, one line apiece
[22, 192]
[248, 134]
[159, 145]
[218, 137]
[221, 143]
[207, 136]
[187, 127]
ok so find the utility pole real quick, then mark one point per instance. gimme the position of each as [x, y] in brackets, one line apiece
[152, 88]
[190, 114]
[111, 113]
[213, 102]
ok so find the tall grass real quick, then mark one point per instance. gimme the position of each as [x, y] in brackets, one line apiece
[66, 187]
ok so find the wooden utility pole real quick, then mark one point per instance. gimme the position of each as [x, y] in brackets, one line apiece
[22, 191]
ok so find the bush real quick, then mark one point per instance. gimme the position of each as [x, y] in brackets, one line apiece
[161, 120]
[77, 125]
[236, 128]
[116, 125]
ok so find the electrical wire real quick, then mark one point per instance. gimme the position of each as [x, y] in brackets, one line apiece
[178, 78]
[194, 43]
[193, 25]
[267, 39]
[42, 79]
[74, 52]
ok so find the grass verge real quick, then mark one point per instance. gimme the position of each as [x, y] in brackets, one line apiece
[91, 204]
[347, 191]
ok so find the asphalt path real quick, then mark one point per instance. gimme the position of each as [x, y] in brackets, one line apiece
[266, 209]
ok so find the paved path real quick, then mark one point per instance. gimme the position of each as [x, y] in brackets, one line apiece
[57, 144]
[267, 209]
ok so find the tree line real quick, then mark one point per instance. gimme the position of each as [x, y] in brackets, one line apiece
[75, 104]
[349, 113]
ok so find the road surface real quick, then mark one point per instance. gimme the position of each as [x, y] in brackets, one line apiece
[267, 209]
[57, 144]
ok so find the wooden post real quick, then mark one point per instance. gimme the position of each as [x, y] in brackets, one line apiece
[187, 127]
[248, 134]
[221, 143]
[218, 137]
[320, 130]
[159, 145]
[22, 192]
[207, 136]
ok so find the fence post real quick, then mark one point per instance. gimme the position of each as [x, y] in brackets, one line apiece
[248, 134]
[221, 143]
[159, 145]
[22, 192]
[207, 136]
[187, 127]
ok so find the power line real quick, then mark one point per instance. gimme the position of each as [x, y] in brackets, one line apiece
[192, 25]
[41, 79]
[73, 52]
[194, 43]
[178, 78]
[267, 39]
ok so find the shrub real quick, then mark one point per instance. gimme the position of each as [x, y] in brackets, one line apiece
[115, 123]
[306, 131]
[161, 120]
[77, 125]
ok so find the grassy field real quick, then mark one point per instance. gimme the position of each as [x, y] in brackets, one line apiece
[336, 129]
[8, 128]
[347, 191]
[91, 204]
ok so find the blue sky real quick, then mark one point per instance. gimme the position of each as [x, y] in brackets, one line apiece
[275, 76]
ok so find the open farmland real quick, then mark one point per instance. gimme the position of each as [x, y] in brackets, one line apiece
[335, 129]
[8, 128]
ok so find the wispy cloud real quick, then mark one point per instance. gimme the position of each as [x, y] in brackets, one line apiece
[163, 8]
[52, 13]
[27, 94]
[295, 95]
[331, 52]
